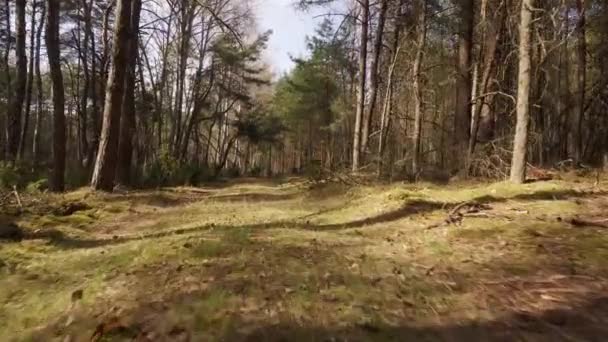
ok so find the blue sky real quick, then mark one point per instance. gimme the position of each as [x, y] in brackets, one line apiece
[290, 27]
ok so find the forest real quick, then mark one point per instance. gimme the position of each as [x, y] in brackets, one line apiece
[426, 170]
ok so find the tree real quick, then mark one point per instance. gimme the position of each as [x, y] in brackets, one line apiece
[360, 111]
[30, 81]
[416, 83]
[374, 75]
[16, 108]
[464, 80]
[581, 81]
[39, 91]
[520, 146]
[107, 156]
[59, 134]
[127, 119]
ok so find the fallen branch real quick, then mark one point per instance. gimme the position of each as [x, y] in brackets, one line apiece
[17, 197]
[577, 222]
[464, 209]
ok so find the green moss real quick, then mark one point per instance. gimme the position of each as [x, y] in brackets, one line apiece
[209, 249]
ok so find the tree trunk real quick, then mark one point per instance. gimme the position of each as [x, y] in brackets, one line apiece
[84, 99]
[94, 142]
[16, 109]
[518, 164]
[7, 77]
[59, 135]
[416, 86]
[105, 166]
[127, 119]
[483, 107]
[39, 91]
[30, 83]
[374, 76]
[361, 86]
[581, 78]
[464, 81]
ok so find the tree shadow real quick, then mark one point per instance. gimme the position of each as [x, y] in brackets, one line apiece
[586, 322]
[252, 197]
[581, 316]
[156, 199]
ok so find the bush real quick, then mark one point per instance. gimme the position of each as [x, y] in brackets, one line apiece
[37, 186]
[19, 175]
[167, 171]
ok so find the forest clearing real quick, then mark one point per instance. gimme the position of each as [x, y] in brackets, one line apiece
[303, 170]
[293, 260]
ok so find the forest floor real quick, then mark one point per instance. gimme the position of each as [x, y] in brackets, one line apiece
[259, 260]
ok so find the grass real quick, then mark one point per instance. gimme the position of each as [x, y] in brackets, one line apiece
[275, 261]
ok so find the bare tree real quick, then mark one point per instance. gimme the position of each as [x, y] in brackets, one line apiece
[374, 76]
[520, 146]
[364, 16]
[416, 84]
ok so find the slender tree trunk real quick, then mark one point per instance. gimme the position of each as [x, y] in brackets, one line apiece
[374, 76]
[84, 98]
[94, 143]
[581, 77]
[386, 111]
[485, 101]
[417, 87]
[30, 83]
[59, 134]
[464, 82]
[127, 119]
[16, 109]
[361, 86]
[7, 78]
[185, 33]
[39, 91]
[105, 166]
[520, 146]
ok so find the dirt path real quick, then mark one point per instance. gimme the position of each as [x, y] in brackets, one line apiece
[265, 261]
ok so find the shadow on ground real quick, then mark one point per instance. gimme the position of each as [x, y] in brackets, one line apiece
[410, 208]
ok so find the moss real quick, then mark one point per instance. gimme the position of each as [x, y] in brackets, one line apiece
[209, 249]
[203, 259]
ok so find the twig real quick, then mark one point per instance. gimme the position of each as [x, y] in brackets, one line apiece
[17, 197]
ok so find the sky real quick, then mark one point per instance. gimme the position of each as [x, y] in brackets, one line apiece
[290, 27]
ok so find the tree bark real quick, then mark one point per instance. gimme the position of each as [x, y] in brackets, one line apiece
[518, 164]
[127, 119]
[30, 83]
[84, 99]
[59, 134]
[7, 78]
[483, 107]
[361, 86]
[39, 91]
[464, 82]
[107, 155]
[581, 80]
[374, 76]
[16, 108]
[416, 86]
